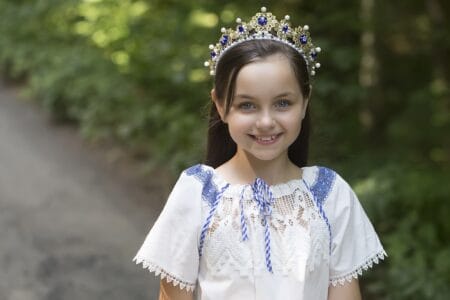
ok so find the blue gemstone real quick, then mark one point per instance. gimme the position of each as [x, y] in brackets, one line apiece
[285, 28]
[213, 54]
[262, 21]
[313, 55]
[224, 40]
[241, 28]
[303, 39]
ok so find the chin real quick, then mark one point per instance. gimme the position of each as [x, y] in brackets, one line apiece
[264, 157]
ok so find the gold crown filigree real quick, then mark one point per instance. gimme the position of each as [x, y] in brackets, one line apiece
[265, 26]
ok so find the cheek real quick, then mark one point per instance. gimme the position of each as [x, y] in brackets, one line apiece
[239, 128]
[292, 120]
[295, 128]
[241, 122]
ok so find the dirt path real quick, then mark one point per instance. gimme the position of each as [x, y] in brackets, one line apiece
[70, 223]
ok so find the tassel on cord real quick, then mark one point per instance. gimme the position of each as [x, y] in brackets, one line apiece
[264, 199]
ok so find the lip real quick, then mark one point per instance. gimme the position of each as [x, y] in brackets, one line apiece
[266, 139]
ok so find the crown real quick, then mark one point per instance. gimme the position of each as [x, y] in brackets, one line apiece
[265, 26]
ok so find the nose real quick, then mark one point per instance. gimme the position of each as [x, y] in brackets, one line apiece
[265, 120]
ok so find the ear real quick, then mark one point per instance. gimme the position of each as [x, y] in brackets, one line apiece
[219, 107]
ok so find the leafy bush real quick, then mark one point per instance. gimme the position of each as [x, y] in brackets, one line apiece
[409, 208]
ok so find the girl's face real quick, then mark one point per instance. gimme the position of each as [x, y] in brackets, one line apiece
[268, 107]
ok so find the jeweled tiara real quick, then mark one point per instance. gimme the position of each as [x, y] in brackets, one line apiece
[265, 26]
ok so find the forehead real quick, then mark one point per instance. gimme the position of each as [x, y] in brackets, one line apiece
[268, 76]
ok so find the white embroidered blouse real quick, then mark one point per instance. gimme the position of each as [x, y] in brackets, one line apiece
[254, 241]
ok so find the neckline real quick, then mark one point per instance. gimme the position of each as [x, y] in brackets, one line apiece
[295, 181]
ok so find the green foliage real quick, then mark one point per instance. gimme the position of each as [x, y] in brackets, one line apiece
[409, 207]
[132, 71]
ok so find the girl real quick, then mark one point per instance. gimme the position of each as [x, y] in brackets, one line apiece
[254, 222]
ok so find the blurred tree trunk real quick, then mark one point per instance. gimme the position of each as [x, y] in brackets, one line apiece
[439, 54]
[367, 71]
[368, 79]
[368, 74]
[440, 77]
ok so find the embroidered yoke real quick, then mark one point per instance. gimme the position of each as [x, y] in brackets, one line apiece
[255, 241]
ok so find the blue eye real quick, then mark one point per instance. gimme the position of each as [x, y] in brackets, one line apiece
[246, 106]
[283, 103]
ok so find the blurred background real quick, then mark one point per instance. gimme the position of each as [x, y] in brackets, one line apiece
[131, 72]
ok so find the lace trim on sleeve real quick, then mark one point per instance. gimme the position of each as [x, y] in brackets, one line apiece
[152, 267]
[375, 259]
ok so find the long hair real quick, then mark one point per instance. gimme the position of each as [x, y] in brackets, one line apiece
[220, 147]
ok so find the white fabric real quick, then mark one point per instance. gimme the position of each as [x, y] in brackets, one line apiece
[231, 268]
[355, 245]
[170, 248]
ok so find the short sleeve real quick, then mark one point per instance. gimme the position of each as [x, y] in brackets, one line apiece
[171, 247]
[355, 245]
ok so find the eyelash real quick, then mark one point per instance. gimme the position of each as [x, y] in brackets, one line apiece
[286, 103]
[282, 103]
[245, 105]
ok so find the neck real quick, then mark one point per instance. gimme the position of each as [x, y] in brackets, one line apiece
[273, 172]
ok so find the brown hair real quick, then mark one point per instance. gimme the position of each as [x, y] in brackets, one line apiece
[220, 146]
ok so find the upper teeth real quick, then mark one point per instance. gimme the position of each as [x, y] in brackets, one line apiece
[266, 138]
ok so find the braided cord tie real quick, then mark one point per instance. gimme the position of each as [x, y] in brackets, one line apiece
[321, 211]
[243, 223]
[205, 227]
[264, 199]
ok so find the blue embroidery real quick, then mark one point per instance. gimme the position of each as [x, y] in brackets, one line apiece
[320, 191]
[210, 193]
[210, 189]
[194, 170]
[323, 185]
[209, 218]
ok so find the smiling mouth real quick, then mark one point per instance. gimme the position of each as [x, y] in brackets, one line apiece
[267, 139]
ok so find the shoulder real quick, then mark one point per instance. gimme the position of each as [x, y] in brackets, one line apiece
[324, 182]
[321, 181]
[205, 177]
[201, 172]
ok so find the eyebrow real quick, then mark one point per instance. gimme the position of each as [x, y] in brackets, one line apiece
[245, 96]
